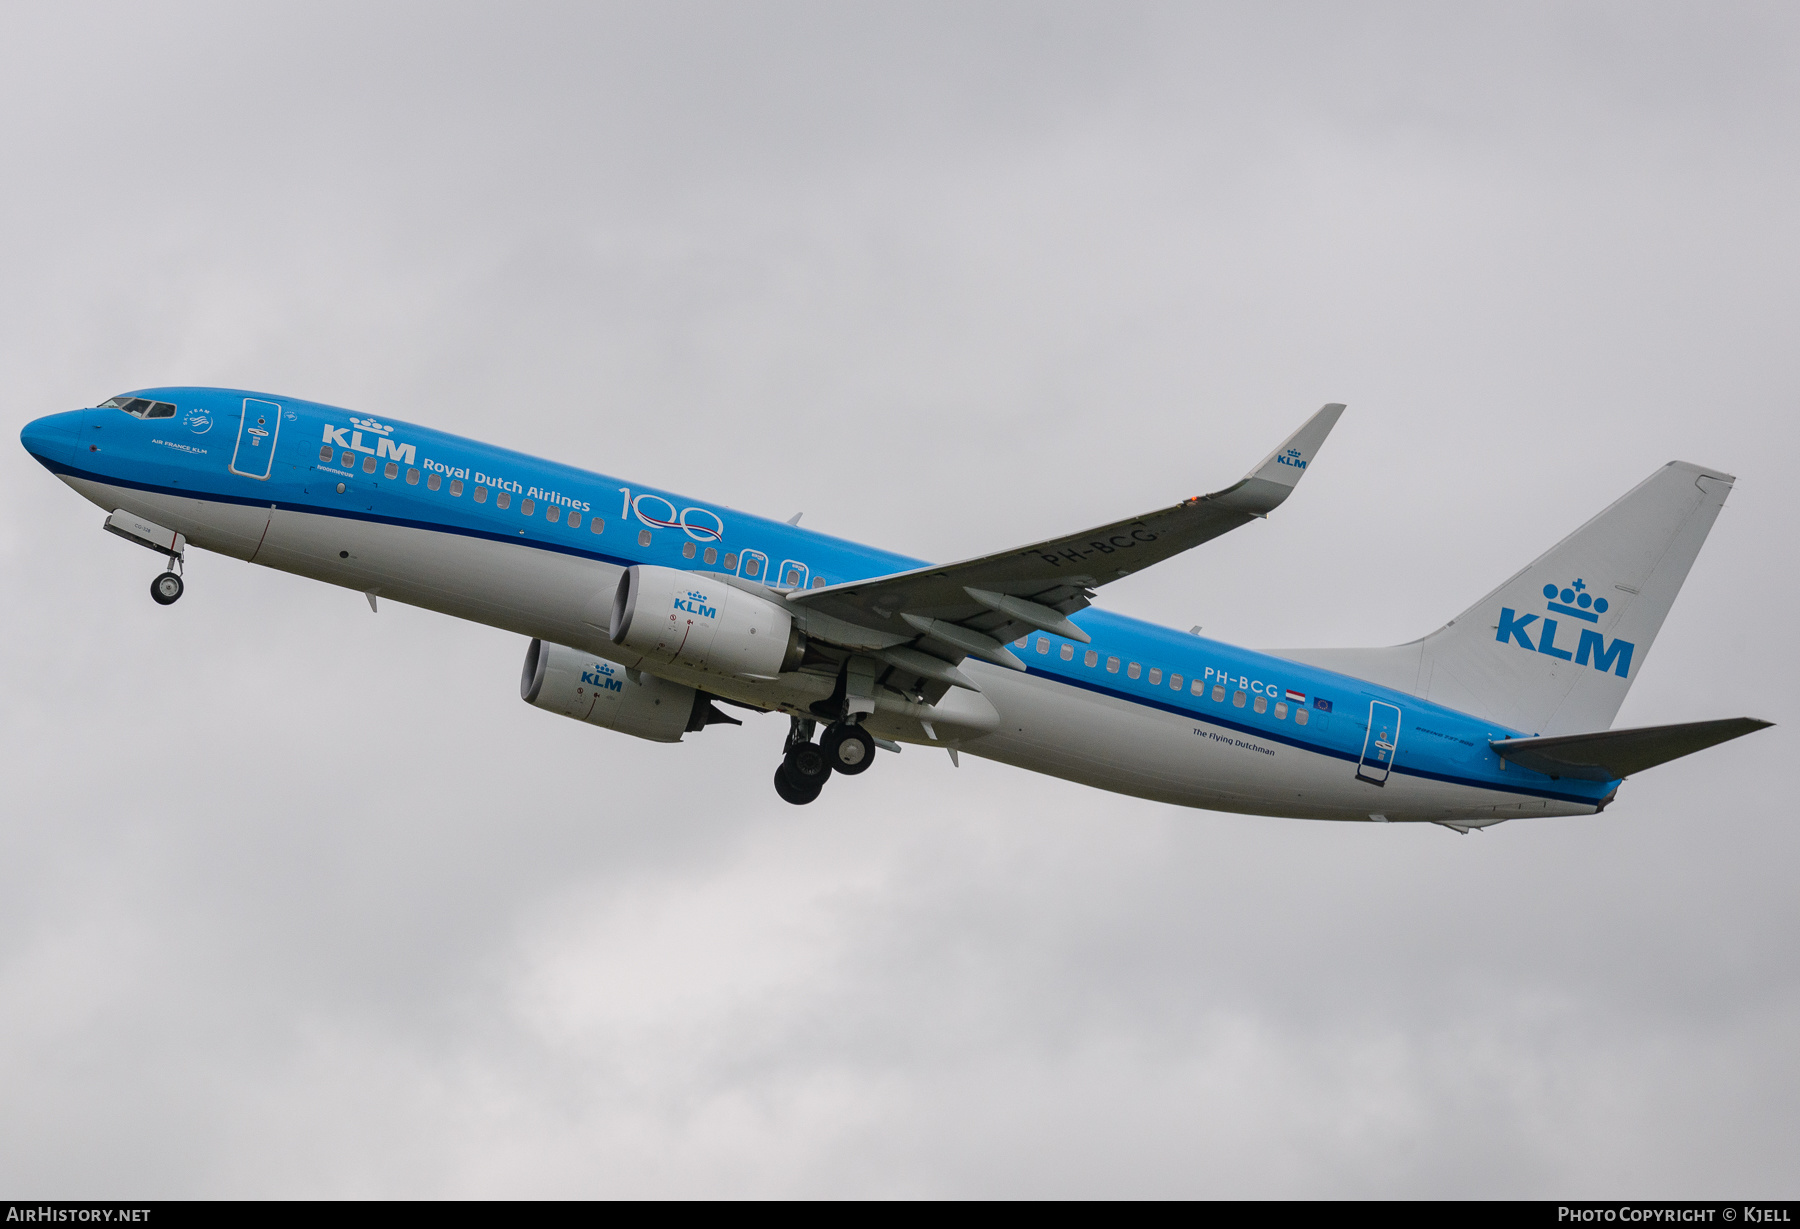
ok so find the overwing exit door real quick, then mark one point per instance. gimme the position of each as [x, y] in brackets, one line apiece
[257, 430]
[1379, 744]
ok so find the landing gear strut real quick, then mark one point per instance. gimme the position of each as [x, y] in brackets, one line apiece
[165, 589]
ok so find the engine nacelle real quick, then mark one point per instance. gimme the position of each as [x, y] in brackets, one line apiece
[703, 623]
[596, 691]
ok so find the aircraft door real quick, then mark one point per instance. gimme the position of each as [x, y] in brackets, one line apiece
[1380, 744]
[257, 430]
[755, 565]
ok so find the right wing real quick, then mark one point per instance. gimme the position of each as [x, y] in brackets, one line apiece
[922, 622]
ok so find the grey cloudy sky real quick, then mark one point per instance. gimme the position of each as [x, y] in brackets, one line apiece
[296, 900]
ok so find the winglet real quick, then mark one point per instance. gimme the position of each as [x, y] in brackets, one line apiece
[1288, 462]
[1264, 488]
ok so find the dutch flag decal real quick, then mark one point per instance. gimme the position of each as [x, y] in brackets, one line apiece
[1296, 697]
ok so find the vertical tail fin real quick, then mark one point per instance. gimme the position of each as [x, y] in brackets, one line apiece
[1555, 649]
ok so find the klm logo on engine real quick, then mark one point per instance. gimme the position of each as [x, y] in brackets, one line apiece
[601, 676]
[694, 603]
[1575, 602]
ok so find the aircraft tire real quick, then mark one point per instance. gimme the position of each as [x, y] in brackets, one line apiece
[849, 749]
[806, 764]
[166, 589]
[794, 791]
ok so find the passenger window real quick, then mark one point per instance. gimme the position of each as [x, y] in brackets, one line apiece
[368, 465]
[1043, 645]
[1175, 681]
[597, 525]
[481, 495]
[1218, 693]
[1299, 716]
[1155, 677]
[526, 507]
[1090, 658]
[1112, 665]
[574, 519]
[643, 537]
[412, 477]
[434, 481]
[553, 513]
[818, 582]
[348, 460]
[325, 453]
[687, 550]
[1199, 687]
[752, 567]
[1280, 711]
[1020, 642]
[792, 577]
[1068, 652]
[502, 499]
[1133, 670]
[731, 561]
[392, 470]
[1261, 705]
[456, 488]
[1238, 698]
[711, 556]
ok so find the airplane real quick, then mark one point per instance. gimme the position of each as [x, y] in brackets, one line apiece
[646, 609]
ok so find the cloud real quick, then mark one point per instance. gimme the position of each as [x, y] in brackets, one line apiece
[297, 900]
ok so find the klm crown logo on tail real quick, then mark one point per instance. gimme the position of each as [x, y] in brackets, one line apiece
[1576, 602]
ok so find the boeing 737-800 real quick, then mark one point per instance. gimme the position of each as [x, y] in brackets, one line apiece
[645, 609]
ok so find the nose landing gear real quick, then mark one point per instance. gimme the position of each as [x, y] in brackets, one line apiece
[165, 589]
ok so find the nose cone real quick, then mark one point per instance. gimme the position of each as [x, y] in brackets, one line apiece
[52, 439]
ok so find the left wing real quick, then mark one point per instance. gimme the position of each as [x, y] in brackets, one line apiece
[924, 621]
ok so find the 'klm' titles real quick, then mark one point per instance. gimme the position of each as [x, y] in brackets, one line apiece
[385, 447]
[1590, 649]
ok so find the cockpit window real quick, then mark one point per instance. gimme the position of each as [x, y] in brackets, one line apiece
[138, 407]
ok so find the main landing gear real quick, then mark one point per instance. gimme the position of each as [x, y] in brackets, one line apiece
[165, 589]
[806, 765]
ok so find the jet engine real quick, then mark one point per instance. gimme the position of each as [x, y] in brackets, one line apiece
[703, 623]
[599, 692]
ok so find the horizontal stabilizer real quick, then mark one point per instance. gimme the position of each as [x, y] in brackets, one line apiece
[1612, 754]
